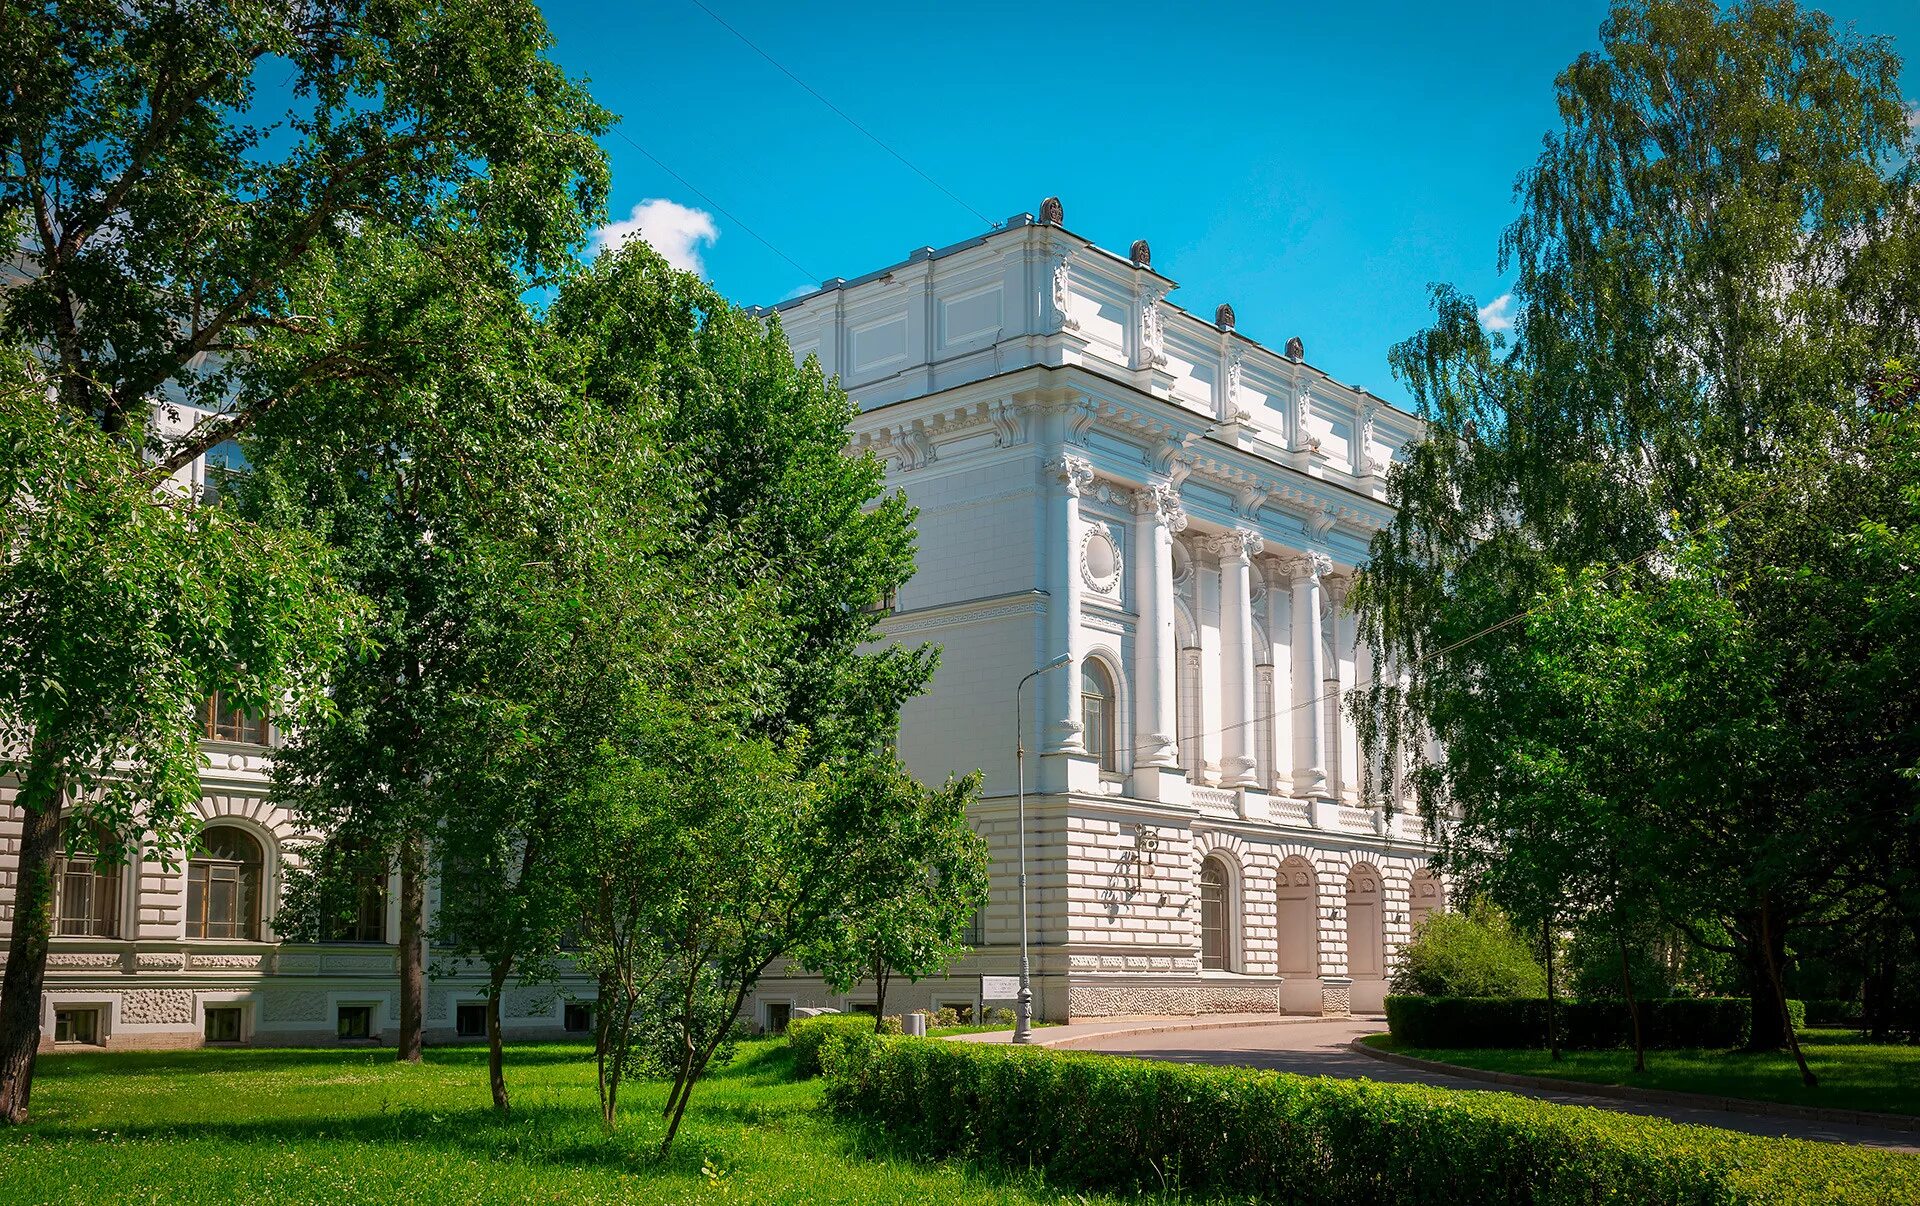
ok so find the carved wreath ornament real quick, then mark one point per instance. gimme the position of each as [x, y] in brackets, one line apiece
[1100, 561]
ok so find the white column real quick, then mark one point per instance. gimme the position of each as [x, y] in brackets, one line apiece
[1235, 550]
[1342, 663]
[1279, 698]
[1066, 476]
[1157, 516]
[1309, 714]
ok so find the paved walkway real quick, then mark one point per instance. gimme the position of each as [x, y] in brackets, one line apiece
[1322, 1047]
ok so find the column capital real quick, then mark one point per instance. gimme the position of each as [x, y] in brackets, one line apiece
[1308, 566]
[1240, 545]
[1073, 472]
[1159, 498]
[1337, 586]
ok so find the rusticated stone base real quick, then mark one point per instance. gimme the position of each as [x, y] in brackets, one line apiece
[1120, 998]
[1336, 997]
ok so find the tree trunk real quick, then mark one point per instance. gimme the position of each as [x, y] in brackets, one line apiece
[1768, 926]
[880, 978]
[1633, 1005]
[1765, 947]
[413, 954]
[496, 1056]
[26, 972]
[1553, 1028]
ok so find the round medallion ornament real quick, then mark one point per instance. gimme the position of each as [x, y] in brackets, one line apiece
[1100, 563]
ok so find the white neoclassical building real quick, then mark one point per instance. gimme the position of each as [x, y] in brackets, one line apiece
[1178, 509]
[1099, 473]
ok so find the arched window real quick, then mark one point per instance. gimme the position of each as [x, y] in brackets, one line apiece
[1098, 703]
[223, 885]
[1215, 918]
[86, 897]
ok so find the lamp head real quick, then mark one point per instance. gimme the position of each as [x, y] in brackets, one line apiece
[1061, 660]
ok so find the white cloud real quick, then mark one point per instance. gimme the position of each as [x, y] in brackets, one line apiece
[676, 231]
[1497, 315]
[1913, 116]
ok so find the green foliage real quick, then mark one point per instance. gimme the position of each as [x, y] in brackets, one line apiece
[1626, 570]
[1126, 1125]
[1675, 1022]
[1463, 955]
[807, 1036]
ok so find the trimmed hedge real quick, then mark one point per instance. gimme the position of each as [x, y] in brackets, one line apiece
[807, 1035]
[1675, 1022]
[1105, 1123]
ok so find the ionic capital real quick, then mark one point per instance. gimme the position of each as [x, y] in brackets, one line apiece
[1073, 472]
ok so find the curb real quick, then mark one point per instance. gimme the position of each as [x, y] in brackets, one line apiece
[1701, 1101]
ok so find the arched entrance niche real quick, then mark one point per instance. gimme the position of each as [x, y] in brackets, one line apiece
[1426, 897]
[1365, 950]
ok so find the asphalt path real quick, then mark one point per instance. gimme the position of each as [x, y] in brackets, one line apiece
[1323, 1048]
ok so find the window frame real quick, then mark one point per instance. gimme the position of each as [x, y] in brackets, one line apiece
[248, 921]
[1100, 731]
[105, 890]
[235, 725]
[1222, 903]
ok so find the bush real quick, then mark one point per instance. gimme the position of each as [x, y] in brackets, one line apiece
[1102, 1123]
[1676, 1022]
[807, 1035]
[1834, 1011]
[1456, 955]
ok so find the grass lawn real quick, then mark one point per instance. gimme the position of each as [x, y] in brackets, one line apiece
[1854, 1074]
[344, 1127]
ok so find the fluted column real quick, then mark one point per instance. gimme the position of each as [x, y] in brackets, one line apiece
[1236, 550]
[1067, 475]
[1157, 516]
[1309, 714]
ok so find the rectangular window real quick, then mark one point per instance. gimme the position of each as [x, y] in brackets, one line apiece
[356, 1021]
[470, 1019]
[579, 1017]
[86, 898]
[223, 1023]
[218, 722]
[77, 1026]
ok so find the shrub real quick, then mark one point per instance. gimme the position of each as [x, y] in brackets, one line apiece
[1676, 1022]
[1103, 1123]
[1834, 1011]
[807, 1035]
[1000, 1015]
[890, 1024]
[1456, 955]
[946, 1017]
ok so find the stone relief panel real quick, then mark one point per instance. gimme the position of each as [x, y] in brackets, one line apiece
[156, 1007]
[289, 1006]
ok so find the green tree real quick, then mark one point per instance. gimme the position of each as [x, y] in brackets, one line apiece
[173, 175]
[923, 928]
[1468, 954]
[1715, 253]
[126, 607]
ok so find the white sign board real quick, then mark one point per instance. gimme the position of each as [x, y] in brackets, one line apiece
[999, 988]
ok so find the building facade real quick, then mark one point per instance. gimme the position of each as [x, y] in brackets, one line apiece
[1178, 510]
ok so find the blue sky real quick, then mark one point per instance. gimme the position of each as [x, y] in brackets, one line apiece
[1315, 165]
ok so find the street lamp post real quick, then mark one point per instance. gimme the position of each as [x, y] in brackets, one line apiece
[1023, 1019]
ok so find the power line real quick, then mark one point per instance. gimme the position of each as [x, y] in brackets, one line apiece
[842, 114]
[719, 208]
